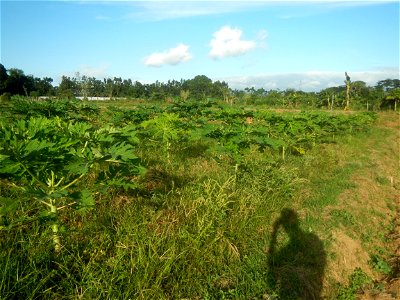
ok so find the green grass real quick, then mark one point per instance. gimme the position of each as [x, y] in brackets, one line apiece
[195, 240]
[358, 280]
[198, 227]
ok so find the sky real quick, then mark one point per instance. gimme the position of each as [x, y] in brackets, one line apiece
[305, 45]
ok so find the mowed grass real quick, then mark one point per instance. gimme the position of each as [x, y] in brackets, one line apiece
[198, 228]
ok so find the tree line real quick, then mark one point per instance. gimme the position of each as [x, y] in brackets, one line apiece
[354, 95]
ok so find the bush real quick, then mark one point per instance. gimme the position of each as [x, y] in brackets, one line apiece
[5, 97]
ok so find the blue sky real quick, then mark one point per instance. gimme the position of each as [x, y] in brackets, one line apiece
[304, 45]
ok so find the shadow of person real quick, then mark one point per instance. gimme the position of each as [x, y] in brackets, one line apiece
[296, 269]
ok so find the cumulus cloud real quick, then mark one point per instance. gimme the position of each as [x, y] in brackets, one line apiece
[228, 42]
[172, 56]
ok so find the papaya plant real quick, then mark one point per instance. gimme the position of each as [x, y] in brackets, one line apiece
[165, 128]
[59, 164]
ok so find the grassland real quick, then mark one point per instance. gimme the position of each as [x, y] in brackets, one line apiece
[296, 214]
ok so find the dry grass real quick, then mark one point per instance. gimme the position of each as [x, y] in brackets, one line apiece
[370, 203]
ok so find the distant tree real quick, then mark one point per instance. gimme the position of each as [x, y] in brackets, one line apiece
[109, 87]
[68, 88]
[375, 97]
[86, 87]
[290, 96]
[156, 91]
[391, 99]
[117, 86]
[3, 78]
[388, 84]
[139, 90]
[200, 87]
[173, 88]
[220, 89]
[44, 86]
[275, 97]
[17, 83]
[98, 88]
[238, 94]
[28, 85]
[360, 94]
[127, 88]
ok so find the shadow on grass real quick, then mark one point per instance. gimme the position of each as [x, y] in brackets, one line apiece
[159, 180]
[296, 269]
[194, 150]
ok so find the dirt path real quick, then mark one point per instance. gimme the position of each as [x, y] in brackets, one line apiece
[390, 168]
[372, 225]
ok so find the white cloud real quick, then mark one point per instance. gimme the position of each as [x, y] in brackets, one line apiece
[98, 72]
[307, 81]
[227, 42]
[154, 11]
[172, 56]
[262, 35]
[261, 38]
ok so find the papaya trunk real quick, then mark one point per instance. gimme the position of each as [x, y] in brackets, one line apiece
[54, 228]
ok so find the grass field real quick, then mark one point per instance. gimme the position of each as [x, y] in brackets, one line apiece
[297, 214]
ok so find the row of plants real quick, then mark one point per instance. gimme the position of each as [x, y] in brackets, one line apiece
[59, 160]
[52, 156]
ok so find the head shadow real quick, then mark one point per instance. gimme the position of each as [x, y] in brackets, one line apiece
[296, 259]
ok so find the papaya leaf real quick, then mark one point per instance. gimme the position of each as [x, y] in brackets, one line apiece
[122, 152]
[36, 146]
[121, 183]
[9, 167]
[78, 166]
[85, 200]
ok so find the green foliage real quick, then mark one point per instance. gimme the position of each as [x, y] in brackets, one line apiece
[65, 109]
[276, 132]
[392, 99]
[53, 161]
[379, 260]
[202, 236]
[380, 264]
[5, 97]
[122, 117]
[166, 129]
[199, 88]
[358, 280]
